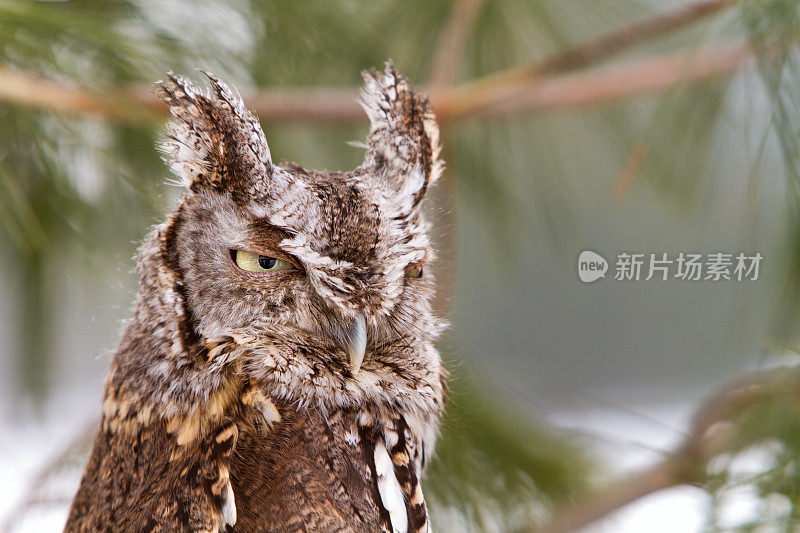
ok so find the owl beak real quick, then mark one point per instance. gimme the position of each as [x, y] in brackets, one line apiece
[356, 344]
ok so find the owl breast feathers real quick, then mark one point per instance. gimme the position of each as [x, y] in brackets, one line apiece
[279, 372]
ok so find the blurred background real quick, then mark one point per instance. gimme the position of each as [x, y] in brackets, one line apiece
[612, 126]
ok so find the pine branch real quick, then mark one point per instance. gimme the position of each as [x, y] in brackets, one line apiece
[561, 91]
[600, 48]
[136, 105]
[595, 87]
[712, 434]
[131, 106]
[449, 53]
[481, 92]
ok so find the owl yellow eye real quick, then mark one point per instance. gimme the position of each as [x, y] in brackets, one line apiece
[259, 263]
[414, 271]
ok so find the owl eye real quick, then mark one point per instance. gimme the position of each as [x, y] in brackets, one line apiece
[259, 263]
[414, 271]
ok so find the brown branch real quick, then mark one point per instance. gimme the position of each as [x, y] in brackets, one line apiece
[612, 498]
[594, 87]
[449, 53]
[25, 89]
[710, 436]
[603, 47]
[633, 164]
[555, 92]
[307, 105]
[135, 105]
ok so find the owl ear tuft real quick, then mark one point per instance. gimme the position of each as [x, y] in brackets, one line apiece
[403, 141]
[214, 141]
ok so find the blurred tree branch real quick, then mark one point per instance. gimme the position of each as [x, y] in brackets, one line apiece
[29, 90]
[607, 45]
[534, 87]
[714, 431]
[568, 91]
[449, 54]
[546, 93]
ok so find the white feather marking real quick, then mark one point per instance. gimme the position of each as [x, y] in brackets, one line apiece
[412, 184]
[229, 508]
[389, 489]
[391, 438]
[364, 418]
[269, 412]
[351, 437]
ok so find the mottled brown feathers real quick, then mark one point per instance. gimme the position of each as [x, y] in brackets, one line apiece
[215, 142]
[233, 401]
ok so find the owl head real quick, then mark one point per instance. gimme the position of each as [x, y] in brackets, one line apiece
[335, 261]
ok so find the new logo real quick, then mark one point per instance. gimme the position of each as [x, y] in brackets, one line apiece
[591, 266]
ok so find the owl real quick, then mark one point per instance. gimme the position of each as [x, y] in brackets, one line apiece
[279, 371]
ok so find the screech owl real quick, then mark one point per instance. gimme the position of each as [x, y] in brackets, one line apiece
[279, 371]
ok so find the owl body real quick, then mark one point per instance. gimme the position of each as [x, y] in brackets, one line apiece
[279, 371]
